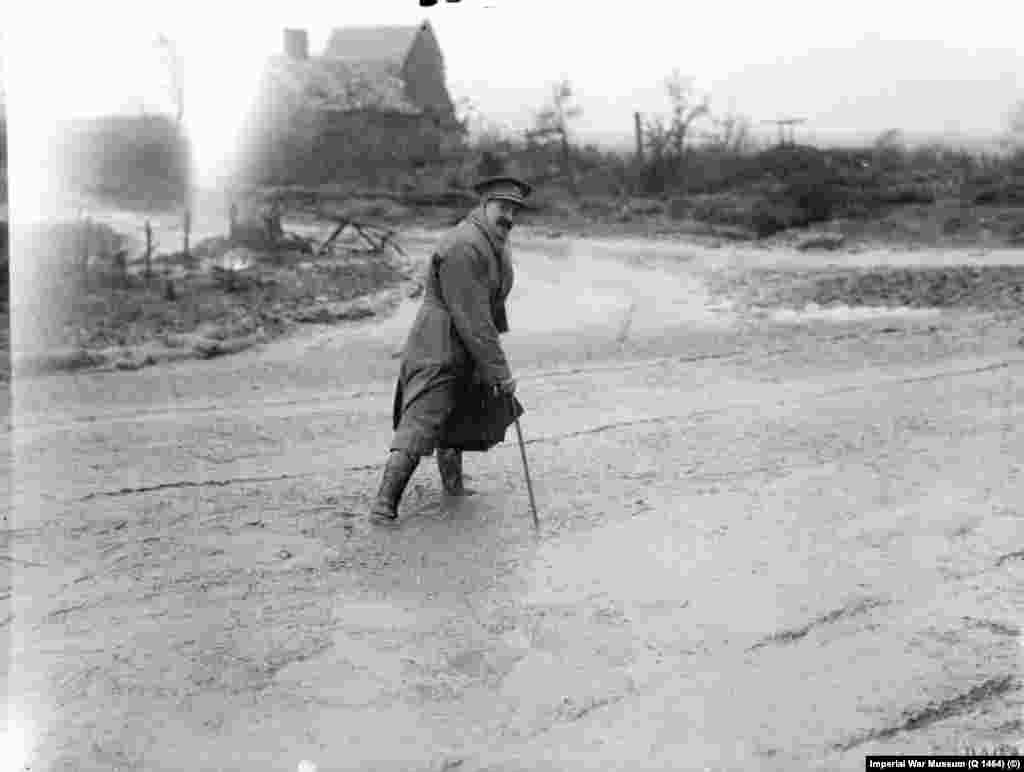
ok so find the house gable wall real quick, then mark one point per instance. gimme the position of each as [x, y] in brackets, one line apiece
[423, 73]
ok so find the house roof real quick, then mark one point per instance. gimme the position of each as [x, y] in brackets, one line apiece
[335, 84]
[373, 44]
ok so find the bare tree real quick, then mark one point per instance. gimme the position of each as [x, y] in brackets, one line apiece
[657, 139]
[487, 135]
[890, 147]
[668, 141]
[176, 71]
[467, 113]
[687, 108]
[3, 131]
[1015, 126]
[552, 123]
[890, 138]
[730, 133]
[493, 136]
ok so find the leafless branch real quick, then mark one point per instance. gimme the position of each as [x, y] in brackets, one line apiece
[552, 123]
[176, 70]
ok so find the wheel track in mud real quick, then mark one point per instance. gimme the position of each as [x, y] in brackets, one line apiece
[637, 364]
[797, 634]
[1017, 555]
[555, 438]
[951, 707]
[222, 408]
[184, 484]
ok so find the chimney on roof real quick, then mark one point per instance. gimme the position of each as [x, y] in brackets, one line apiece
[296, 44]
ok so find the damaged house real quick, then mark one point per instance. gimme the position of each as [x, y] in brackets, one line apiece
[374, 108]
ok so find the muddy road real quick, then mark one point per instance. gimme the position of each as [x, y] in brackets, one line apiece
[769, 540]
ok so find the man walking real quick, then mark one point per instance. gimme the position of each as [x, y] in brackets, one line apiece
[453, 361]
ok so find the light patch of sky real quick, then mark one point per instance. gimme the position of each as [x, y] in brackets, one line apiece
[762, 59]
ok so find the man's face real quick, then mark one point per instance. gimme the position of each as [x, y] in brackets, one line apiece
[502, 214]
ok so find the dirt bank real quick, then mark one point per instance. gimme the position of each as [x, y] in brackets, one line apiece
[981, 288]
[125, 323]
[219, 299]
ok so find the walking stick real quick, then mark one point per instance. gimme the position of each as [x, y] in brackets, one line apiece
[526, 469]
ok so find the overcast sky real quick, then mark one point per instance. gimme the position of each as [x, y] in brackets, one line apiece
[848, 68]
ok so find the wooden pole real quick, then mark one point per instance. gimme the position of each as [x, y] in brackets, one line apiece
[85, 246]
[188, 229]
[330, 239]
[121, 265]
[149, 251]
[638, 163]
[639, 138]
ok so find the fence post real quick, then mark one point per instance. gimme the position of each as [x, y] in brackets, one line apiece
[149, 252]
[84, 245]
[188, 228]
[121, 266]
[169, 292]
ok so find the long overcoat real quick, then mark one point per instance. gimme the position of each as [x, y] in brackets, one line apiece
[452, 355]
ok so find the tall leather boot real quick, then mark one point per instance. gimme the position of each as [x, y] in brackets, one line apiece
[449, 464]
[397, 472]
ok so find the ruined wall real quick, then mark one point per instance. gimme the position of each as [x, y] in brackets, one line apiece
[369, 144]
[292, 137]
[368, 147]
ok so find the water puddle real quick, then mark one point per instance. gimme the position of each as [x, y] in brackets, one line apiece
[574, 285]
[814, 312]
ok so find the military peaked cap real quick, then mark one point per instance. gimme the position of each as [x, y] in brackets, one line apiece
[504, 188]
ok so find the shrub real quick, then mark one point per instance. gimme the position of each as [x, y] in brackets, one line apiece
[769, 218]
[953, 225]
[906, 194]
[594, 206]
[725, 208]
[1009, 193]
[130, 159]
[678, 208]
